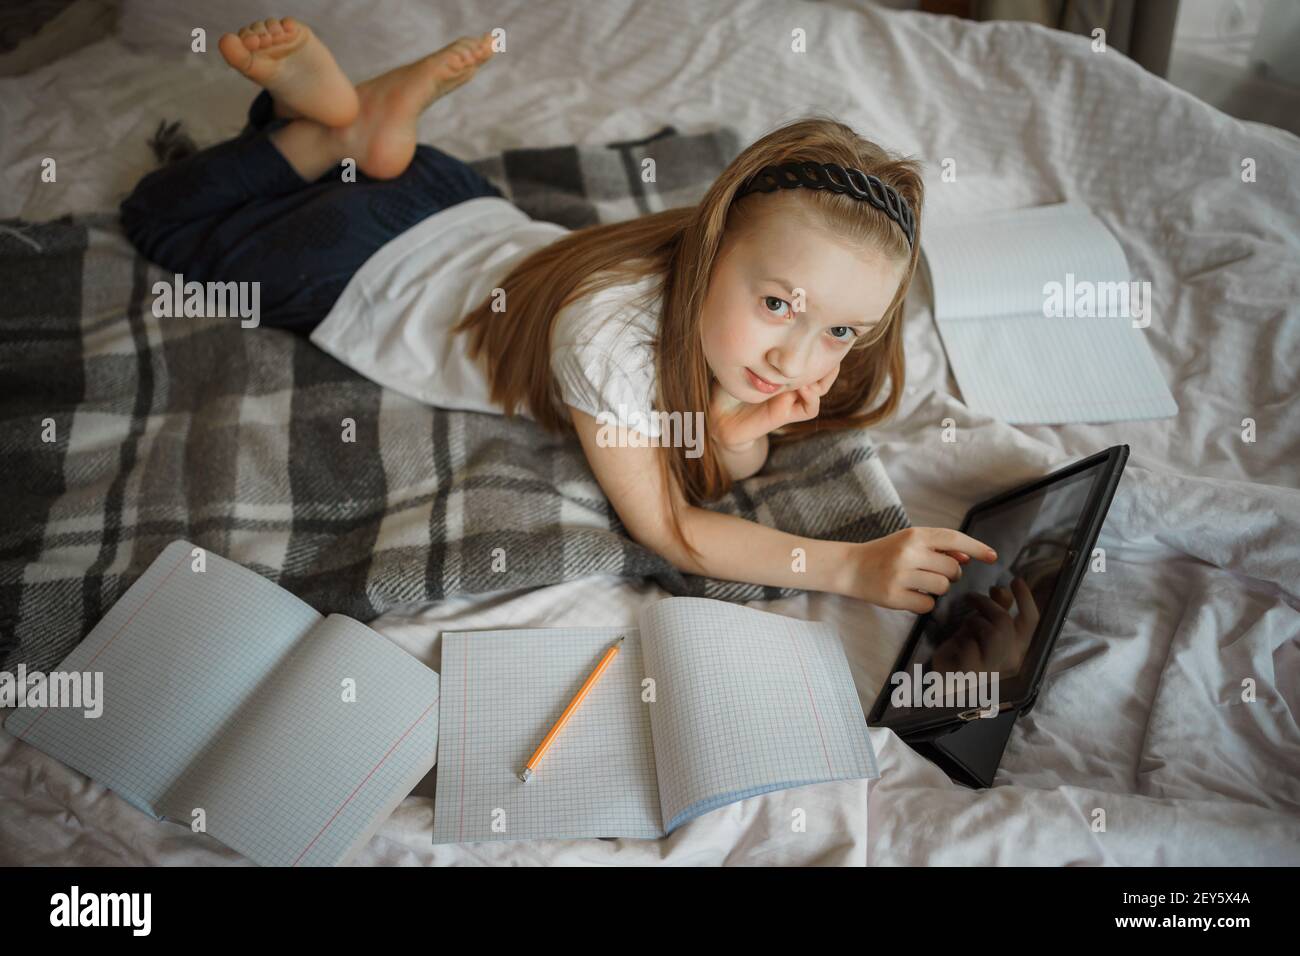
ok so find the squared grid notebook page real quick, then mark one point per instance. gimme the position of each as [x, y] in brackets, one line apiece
[502, 691]
[180, 652]
[1011, 361]
[748, 702]
[302, 777]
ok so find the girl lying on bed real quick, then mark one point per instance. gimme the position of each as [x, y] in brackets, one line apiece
[774, 313]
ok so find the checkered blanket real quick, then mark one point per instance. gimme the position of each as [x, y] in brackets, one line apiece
[122, 432]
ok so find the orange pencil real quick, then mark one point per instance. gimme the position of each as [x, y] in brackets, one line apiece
[569, 711]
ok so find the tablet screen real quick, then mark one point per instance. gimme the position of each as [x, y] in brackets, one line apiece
[964, 633]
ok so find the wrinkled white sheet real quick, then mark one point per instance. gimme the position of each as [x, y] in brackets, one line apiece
[1141, 715]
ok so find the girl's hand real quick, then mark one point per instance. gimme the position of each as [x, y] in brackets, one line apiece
[738, 424]
[893, 571]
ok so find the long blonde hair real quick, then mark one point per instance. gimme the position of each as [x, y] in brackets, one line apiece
[680, 246]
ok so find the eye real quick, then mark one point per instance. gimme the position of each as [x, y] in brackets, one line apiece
[853, 333]
[767, 299]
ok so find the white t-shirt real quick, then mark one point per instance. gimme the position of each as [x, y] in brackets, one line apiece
[393, 321]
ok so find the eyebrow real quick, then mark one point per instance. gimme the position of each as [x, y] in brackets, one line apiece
[788, 286]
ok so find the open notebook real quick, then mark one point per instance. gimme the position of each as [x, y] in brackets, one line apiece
[996, 278]
[744, 702]
[223, 691]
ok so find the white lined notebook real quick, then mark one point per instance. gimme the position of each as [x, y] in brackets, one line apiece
[223, 691]
[1084, 363]
[745, 702]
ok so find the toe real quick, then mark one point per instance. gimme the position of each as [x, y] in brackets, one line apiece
[273, 27]
[235, 52]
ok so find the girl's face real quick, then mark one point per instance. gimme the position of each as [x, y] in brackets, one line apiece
[751, 322]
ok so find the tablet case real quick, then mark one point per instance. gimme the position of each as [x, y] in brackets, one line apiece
[971, 753]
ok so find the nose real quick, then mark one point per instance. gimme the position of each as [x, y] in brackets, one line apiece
[786, 361]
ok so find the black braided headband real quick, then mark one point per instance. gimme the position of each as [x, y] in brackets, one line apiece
[838, 179]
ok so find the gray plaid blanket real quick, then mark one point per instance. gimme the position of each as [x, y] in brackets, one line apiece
[122, 432]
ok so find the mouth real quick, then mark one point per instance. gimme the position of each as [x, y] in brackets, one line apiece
[761, 384]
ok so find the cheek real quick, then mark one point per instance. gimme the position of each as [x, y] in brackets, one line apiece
[826, 368]
[728, 337]
[819, 369]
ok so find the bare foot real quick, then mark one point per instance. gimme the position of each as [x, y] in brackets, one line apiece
[383, 138]
[286, 58]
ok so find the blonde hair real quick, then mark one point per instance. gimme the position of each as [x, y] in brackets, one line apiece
[680, 245]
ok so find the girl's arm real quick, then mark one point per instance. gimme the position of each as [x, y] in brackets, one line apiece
[889, 571]
[733, 549]
[736, 549]
[745, 460]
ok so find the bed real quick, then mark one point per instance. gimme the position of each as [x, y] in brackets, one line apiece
[1142, 713]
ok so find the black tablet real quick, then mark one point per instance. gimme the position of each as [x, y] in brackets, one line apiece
[1044, 533]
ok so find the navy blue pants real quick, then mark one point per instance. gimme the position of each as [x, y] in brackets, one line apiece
[237, 211]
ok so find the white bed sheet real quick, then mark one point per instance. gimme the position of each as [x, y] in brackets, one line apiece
[1141, 714]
